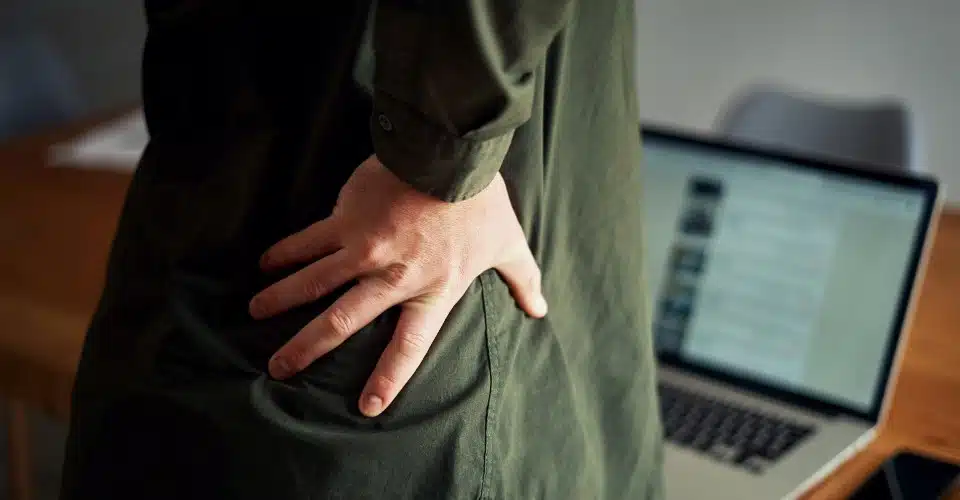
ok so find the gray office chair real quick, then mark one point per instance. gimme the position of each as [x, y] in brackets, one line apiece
[872, 132]
[37, 89]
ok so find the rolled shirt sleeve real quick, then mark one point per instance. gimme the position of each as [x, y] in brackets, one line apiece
[453, 79]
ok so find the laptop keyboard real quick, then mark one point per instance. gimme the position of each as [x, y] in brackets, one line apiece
[726, 432]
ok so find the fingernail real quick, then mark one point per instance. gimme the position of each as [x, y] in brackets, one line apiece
[540, 306]
[255, 308]
[265, 260]
[279, 368]
[372, 405]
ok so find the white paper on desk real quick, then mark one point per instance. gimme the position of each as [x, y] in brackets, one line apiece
[116, 145]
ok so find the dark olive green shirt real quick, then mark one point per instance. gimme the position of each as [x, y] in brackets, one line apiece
[258, 112]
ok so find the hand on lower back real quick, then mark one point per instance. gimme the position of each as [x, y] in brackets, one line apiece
[402, 247]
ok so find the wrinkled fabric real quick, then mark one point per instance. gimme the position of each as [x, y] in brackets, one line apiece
[258, 113]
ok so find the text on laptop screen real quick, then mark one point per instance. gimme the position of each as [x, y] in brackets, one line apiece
[788, 276]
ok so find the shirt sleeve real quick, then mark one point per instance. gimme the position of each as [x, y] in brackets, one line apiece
[453, 79]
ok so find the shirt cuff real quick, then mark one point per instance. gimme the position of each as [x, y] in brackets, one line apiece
[428, 157]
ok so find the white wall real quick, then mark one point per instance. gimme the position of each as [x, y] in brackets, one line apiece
[695, 54]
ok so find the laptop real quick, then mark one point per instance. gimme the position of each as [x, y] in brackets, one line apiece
[782, 287]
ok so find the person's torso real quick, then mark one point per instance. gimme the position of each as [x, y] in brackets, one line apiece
[256, 120]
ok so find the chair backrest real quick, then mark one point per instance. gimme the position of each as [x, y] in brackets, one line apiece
[36, 88]
[873, 132]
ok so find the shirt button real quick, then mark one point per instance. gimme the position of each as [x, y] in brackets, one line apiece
[385, 123]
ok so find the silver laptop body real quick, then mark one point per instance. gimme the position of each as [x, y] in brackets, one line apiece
[782, 285]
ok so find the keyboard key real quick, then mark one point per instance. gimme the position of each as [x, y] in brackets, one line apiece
[756, 464]
[723, 452]
[726, 432]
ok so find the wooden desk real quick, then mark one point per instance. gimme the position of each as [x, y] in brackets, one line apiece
[925, 412]
[57, 225]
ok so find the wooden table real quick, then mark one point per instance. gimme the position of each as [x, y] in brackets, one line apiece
[925, 412]
[55, 231]
[57, 224]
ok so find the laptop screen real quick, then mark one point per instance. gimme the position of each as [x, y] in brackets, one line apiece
[782, 273]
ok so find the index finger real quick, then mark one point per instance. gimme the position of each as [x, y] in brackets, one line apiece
[417, 328]
[317, 240]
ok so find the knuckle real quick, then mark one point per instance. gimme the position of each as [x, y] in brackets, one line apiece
[379, 295]
[396, 275]
[339, 322]
[412, 344]
[373, 254]
[314, 288]
[385, 381]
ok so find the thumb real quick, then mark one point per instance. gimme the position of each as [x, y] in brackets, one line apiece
[524, 279]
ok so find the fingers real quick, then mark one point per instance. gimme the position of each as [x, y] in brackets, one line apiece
[358, 307]
[417, 328]
[307, 285]
[523, 277]
[316, 241]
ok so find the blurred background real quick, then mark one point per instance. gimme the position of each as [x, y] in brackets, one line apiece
[697, 60]
[875, 80]
[696, 57]
[60, 60]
